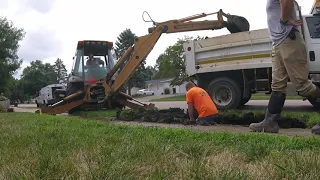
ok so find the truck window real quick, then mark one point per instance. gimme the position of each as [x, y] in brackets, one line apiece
[314, 26]
[78, 64]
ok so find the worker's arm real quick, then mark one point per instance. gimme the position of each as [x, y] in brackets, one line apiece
[189, 99]
[191, 111]
[286, 9]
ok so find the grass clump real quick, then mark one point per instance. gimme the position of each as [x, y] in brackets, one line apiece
[45, 147]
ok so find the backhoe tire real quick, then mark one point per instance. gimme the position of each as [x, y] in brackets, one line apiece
[71, 89]
[225, 93]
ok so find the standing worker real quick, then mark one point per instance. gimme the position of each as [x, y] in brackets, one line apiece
[199, 99]
[289, 60]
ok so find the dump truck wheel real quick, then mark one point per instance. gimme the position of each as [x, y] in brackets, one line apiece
[225, 93]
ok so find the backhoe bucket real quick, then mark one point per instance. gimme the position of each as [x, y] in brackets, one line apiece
[237, 24]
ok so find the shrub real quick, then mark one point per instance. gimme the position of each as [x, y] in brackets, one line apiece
[2, 97]
[2, 109]
[166, 91]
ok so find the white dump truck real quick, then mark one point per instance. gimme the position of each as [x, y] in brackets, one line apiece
[233, 67]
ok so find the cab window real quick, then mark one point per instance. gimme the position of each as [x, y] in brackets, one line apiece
[78, 64]
[314, 26]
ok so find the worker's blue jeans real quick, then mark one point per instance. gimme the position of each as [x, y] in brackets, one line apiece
[208, 120]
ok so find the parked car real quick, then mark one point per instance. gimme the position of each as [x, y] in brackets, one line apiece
[145, 92]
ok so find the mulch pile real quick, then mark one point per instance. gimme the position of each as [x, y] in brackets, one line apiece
[178, 116]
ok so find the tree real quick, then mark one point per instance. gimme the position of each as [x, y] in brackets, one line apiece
[15, 90]
[61, 71]
[10, 37]
[150, 72]
[158, 68]
[171, 64]
[37, 76]
[125, 40]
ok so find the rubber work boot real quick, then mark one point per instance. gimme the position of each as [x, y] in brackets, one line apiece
[316, 129]
[270, 124]
[316, 95]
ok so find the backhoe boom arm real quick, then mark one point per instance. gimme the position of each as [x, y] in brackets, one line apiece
[144, 44]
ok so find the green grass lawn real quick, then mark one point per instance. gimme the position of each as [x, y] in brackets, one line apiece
[254, 97]
[36, 146]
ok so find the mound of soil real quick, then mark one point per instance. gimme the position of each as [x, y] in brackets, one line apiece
[171, 115]
[178, 116]
[248, 118]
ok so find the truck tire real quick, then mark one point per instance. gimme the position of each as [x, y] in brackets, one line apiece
[225, 93]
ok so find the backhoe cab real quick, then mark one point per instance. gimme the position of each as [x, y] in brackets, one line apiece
[92, 62]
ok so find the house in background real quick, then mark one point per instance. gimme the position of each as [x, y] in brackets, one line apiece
[159, 86]
[134, 90]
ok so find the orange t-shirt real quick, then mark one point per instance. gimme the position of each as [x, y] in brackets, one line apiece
[201, 102]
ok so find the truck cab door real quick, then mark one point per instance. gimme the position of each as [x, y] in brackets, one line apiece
[312, 39]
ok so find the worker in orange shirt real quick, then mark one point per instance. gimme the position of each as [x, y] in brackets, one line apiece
[197, 98]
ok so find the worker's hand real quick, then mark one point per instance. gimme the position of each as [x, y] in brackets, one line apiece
[190, 122]
[295, 22]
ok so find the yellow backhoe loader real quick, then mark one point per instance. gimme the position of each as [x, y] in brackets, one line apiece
[95, 81]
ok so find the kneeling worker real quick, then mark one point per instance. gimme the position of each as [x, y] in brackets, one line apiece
[199, 99]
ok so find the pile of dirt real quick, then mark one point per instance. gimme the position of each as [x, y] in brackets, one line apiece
[171, 115]
[178, 116]
[247, 118]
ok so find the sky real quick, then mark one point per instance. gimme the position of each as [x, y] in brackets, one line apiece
[53, 27]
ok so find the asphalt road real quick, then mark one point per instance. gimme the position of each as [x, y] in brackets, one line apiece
[290, 105]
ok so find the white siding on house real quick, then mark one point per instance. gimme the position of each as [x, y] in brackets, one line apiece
[157, 88]
[160, 85]
[133, 90]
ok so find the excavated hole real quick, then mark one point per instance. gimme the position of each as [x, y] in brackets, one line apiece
[178, 116]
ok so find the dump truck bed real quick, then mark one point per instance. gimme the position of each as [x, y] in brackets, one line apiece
[245, 50]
